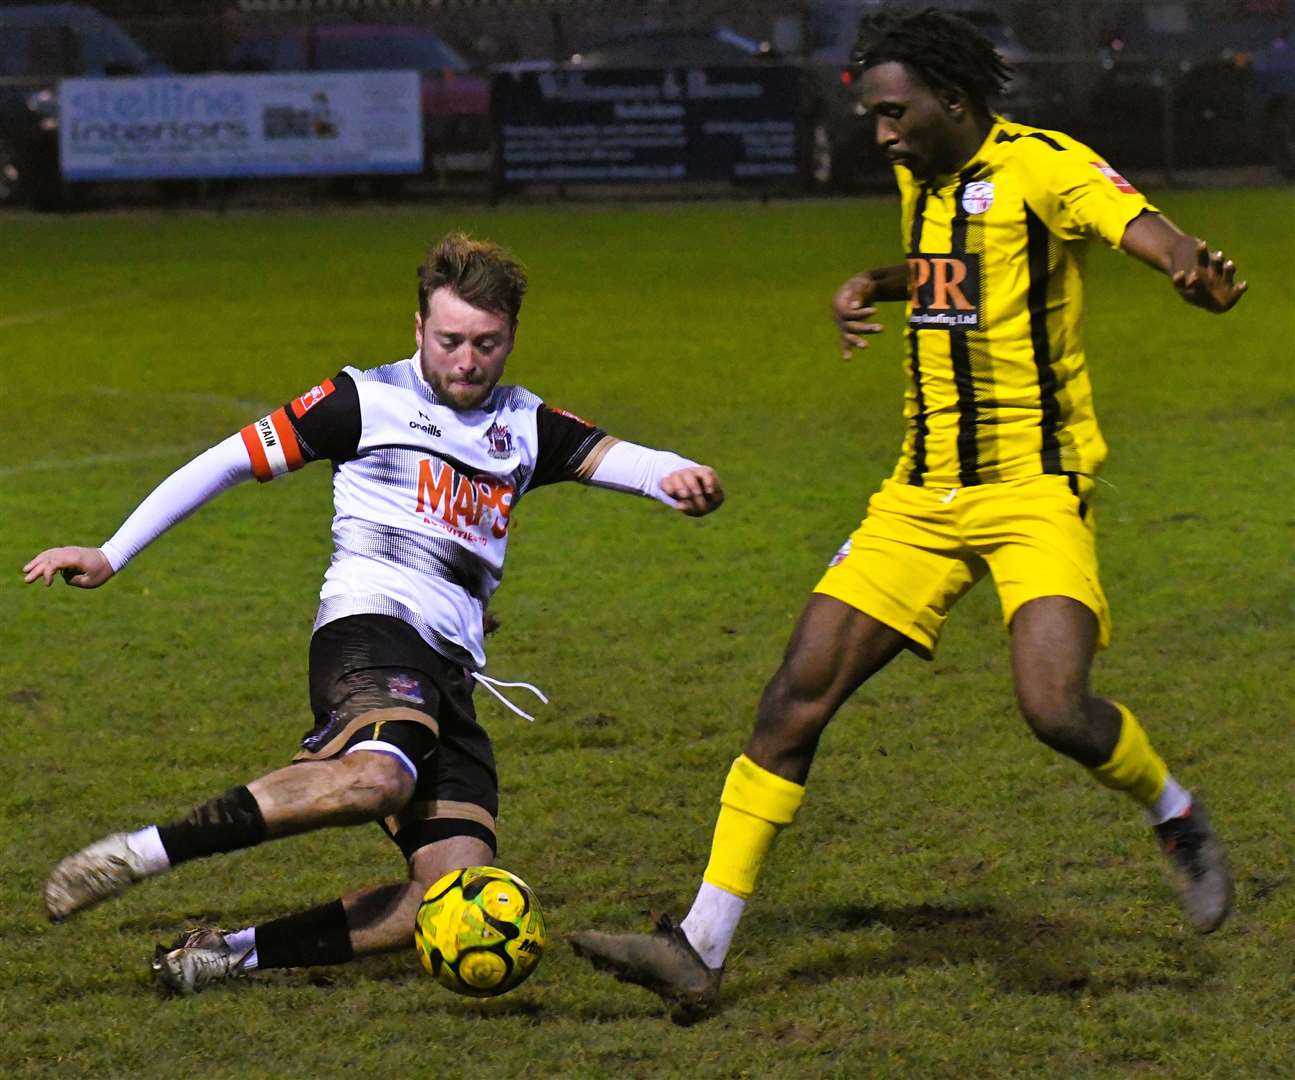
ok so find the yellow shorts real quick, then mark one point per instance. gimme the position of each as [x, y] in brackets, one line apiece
[920, 549]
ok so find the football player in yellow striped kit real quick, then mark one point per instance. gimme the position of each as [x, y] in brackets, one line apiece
[995, 476]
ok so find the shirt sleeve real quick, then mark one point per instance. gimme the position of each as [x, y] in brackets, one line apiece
[178, 496]
[324, 422]
[1076, 194]
[565, 440]
[638, 469]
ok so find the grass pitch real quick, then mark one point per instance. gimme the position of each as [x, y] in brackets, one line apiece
[955, 900]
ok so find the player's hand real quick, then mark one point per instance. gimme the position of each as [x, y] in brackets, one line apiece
[696, 489]
[852, 309]
[1211, 282]
[86, 568]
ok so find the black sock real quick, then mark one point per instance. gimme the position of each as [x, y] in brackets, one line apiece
[318, 936]
[227, 823]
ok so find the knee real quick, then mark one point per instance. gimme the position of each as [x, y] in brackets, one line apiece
[1055, 715]
[793, 710]
[377, 784]
[405, 910]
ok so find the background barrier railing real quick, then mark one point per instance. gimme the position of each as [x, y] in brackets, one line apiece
[1144, 110]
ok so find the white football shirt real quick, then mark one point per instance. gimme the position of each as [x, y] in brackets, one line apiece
[422, 494]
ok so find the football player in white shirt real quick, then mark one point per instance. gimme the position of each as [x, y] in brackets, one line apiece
[430, 458]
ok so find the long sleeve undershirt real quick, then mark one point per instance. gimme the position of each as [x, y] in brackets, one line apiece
[625, 467]
[639, 470]
[178, 496]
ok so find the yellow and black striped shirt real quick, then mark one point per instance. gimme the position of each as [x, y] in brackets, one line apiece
[997, 382]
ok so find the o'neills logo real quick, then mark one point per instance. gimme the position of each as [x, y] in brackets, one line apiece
[944, 291]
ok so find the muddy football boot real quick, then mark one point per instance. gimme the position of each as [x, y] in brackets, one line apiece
[105, 868]
[663, 961]
[1198, 868]
[197, 959]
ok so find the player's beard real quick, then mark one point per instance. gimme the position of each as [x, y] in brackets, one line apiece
[461, 398]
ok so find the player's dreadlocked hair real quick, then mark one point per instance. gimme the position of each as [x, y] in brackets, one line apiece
[944, 51]
[483, 274]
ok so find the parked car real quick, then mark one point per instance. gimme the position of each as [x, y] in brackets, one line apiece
[455, 100]
[1197, 90]
[40, 44]
[1272, 100]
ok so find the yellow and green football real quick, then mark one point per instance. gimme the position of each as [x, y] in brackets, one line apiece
[480, 931]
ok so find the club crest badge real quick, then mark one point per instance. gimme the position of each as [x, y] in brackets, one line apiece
[405, 688]
[500, 440]
[978, 196]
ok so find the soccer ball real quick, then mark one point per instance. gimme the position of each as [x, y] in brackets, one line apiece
[480, 931]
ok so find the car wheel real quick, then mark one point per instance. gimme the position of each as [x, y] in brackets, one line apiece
[10, 175]
[1281, 136]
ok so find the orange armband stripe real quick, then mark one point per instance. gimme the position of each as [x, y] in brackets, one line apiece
[256, 453]
[288, 440]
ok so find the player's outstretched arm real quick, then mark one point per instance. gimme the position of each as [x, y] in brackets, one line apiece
[84, 567]
[684, 485]
[853, 304]
[174, 499]
[1203, 278]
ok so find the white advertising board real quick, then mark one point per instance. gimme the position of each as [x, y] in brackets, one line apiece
[321, 123]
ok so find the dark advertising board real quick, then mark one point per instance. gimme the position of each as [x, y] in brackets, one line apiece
[647, 125]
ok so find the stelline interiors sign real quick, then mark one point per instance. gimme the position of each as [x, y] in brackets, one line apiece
[326, 123]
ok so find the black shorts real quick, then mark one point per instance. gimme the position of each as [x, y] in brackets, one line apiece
[374, 680]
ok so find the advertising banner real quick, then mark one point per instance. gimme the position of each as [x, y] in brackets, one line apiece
[738, 123]
[321, 123]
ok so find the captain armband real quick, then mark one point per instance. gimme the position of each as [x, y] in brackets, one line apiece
[272, 446]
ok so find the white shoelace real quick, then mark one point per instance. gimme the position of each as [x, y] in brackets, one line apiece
[491, 684]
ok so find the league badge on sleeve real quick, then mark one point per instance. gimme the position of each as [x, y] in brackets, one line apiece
[571, 416]
[311, 398]
[1115, 178]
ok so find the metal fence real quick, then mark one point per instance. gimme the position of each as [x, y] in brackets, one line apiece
[1146, 109]
[1140, 109]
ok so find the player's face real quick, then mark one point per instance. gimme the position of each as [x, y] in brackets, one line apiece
[462, 348]
[916, 128]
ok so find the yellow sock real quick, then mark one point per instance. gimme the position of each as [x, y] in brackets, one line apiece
[1134, 766]
[754, 806]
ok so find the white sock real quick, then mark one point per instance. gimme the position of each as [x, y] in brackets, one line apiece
[710, 924]
[147, 844]
[238, 940]
[1173, 802]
